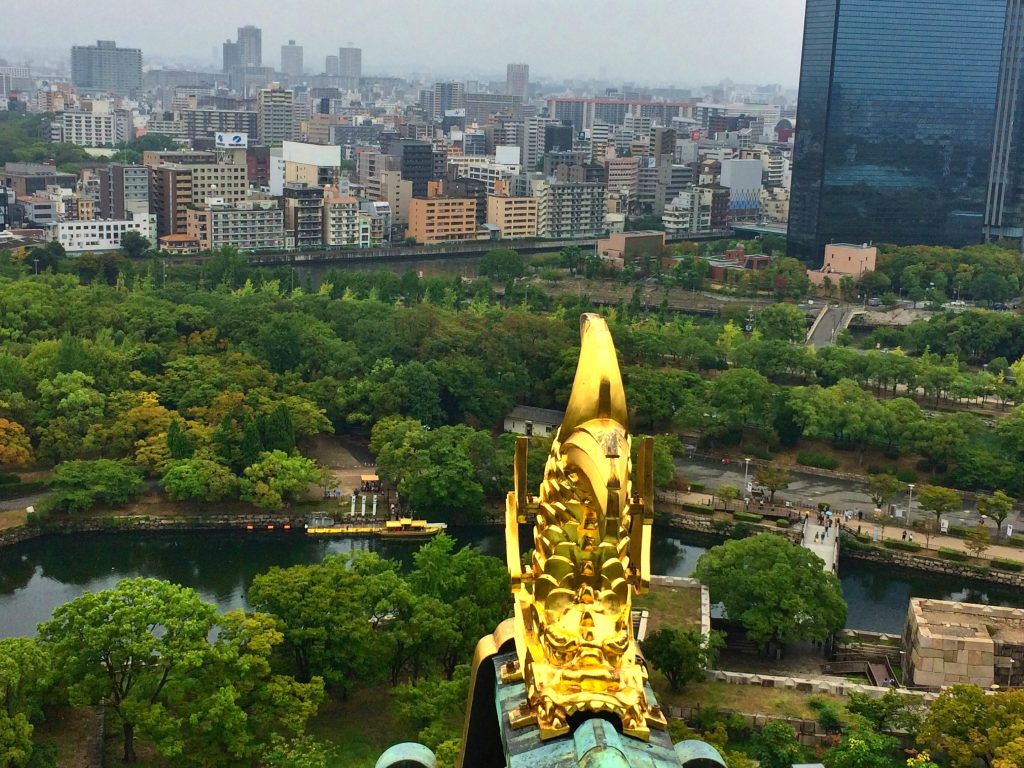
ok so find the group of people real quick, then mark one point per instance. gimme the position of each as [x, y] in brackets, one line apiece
[908, 536]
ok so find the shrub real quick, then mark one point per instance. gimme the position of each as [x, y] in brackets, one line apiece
[722, 526]
[828, 715]
[697, 487]
[749, 517]
[7, 479]
[741, 531]
[760, 453]
[817, 460]
[700, 509]
[906, 475]
[782, 523]
[906, 546]
[1007, 565]
[874, 469]
[954, 555]
[979, 570]
[959, 531]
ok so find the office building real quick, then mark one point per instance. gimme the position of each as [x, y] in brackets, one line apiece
[250, 46]
[517, 81]
[250, 226]
[5, 208]
[231, 59]
[124, 191]
[533, 141]
[24, 179]
[332, 66]
[442, 219]
[415, 163]
[480, 107]
[275, 110]
[743, 180]
[584, 112]
[350, 67]
[558, 137]
[909, 128]
[105, 68]
[623, 175]
[291, 59]
[304, 215]
[98, 235]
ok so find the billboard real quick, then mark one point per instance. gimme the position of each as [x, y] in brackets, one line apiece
[226, 140]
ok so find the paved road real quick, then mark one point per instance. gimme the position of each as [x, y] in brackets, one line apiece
[823, 543]
[810, 490]
[830, 325]
[22, 502]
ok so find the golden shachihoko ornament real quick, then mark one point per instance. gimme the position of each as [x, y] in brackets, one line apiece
[591, 552]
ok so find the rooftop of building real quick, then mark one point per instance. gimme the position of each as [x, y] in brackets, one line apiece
[531, 413]
[946, 618]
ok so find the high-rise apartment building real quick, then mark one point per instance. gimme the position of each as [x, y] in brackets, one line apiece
[415, 163]
[332, 66]
[124, 191]
[275, 115]
[517, 81]
[350, 67]
[231, 58]
[106, 68]
[250, 46]
[291, 59]
[448, 96]
[909, 128]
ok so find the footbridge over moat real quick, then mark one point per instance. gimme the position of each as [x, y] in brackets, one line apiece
[824, 542]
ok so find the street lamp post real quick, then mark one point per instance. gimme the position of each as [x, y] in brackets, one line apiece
[910, 500]
[36, 261]
[746, 484]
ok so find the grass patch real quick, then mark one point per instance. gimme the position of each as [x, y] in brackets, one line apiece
[360, 729]
[748, 699]
[670, 607]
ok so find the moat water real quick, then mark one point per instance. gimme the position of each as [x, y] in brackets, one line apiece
[38, 575]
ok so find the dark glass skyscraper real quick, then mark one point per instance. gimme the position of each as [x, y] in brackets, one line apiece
[909, 124]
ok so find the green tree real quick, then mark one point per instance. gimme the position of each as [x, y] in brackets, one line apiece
[782, 321]
[25, 675]
[179, 445]
[978, 540]
[474, 586]
[681, 655]
[938, 500]
[967, 725]
[78, 486]
[883, 488]
[864, 749]
[106, 647]
[772, 477]
[277, 477]
[333, 615]
[199, 479]
[776, 590]
[997, 506]
[134, 245]
[502, 264]
[892, 712]
[776, 746]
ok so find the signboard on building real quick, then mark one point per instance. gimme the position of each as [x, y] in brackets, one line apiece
[226, 140]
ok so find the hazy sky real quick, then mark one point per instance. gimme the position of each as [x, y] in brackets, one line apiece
[686, 42]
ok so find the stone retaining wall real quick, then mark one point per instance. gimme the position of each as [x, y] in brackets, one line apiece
[914, 562]
[146, 524]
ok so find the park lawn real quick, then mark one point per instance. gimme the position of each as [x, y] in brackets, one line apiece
[68, 729]
[747, 699]
[360, 729]
[671, 606]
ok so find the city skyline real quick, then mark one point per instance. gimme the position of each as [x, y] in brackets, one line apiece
[766, 39]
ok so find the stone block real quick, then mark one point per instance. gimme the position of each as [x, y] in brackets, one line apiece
[956, 669]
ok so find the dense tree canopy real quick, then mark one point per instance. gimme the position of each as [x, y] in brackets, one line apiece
[776, 590]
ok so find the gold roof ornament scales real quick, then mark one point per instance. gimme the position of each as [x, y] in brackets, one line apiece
[592, 536]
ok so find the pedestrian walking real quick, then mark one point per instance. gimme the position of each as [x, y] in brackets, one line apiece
[904, 535]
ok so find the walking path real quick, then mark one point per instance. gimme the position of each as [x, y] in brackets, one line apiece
[822, 542]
